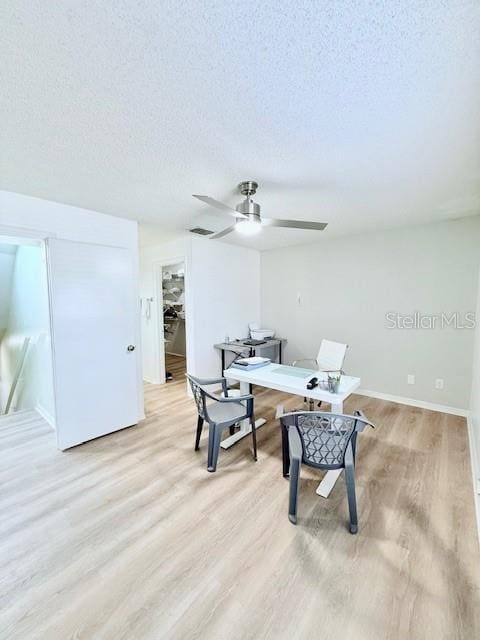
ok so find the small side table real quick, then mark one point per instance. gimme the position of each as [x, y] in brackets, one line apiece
[239, 347]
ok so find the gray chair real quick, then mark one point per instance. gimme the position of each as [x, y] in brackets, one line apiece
[324, 441]
[220, 413]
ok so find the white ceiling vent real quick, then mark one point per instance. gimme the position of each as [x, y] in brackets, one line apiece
[201, 231]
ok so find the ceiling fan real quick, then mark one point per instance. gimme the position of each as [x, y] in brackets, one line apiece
[247, 214]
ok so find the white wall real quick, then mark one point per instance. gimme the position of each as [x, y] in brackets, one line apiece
[222, 297]
[226, 297]
[24, 214]
[54, 219]
[347, 285]
[29, 317]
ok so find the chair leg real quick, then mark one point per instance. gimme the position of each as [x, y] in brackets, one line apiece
[352, 501]
[354, 447]
[199, 433]
[254, 436]
[211, 436]
[285, 452]
[214, 437]
[294, 482]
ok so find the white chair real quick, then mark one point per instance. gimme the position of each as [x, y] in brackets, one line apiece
[330, 357]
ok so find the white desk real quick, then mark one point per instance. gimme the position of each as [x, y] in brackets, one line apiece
[282, 378]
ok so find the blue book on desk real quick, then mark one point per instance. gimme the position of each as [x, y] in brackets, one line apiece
[247, 364]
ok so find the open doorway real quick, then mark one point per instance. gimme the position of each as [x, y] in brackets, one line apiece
[172, 320]
[26, 370]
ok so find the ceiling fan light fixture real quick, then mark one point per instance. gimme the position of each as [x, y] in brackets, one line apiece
[248, 227]
[248, 219]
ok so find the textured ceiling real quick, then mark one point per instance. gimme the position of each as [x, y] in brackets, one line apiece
[362, 114]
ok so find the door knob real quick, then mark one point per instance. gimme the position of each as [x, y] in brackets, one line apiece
[131, 347]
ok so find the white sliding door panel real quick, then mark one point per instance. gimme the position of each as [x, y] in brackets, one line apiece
[93, 323]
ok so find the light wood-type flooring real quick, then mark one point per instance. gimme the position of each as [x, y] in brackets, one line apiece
[176, 366]
[129, 538]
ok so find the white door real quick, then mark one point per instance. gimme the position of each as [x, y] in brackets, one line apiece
[93, 318]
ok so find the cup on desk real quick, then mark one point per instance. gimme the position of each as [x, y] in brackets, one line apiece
[333, 380]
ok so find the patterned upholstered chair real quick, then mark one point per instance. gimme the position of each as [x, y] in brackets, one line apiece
[220, 412]
[323, 441]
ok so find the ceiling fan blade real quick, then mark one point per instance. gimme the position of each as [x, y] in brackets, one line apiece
[294, 224]
[220, 234]
[219, 205]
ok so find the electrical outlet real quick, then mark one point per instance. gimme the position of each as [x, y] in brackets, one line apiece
[439, 384]
[410, 378]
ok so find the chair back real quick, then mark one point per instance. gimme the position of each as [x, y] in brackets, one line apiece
[324, 436]
[331, 355]
[199, 395]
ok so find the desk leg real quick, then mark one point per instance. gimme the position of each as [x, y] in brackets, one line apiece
[328, 482]
[245, 428]
[331, 477]
[337, 408]
[280, 352]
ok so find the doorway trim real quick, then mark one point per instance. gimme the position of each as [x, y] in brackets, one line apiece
[22, 236]
[158, 314]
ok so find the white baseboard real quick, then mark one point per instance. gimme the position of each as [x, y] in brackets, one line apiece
[474, 463]
[152, 380]
[441, 408]
[46, 415]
